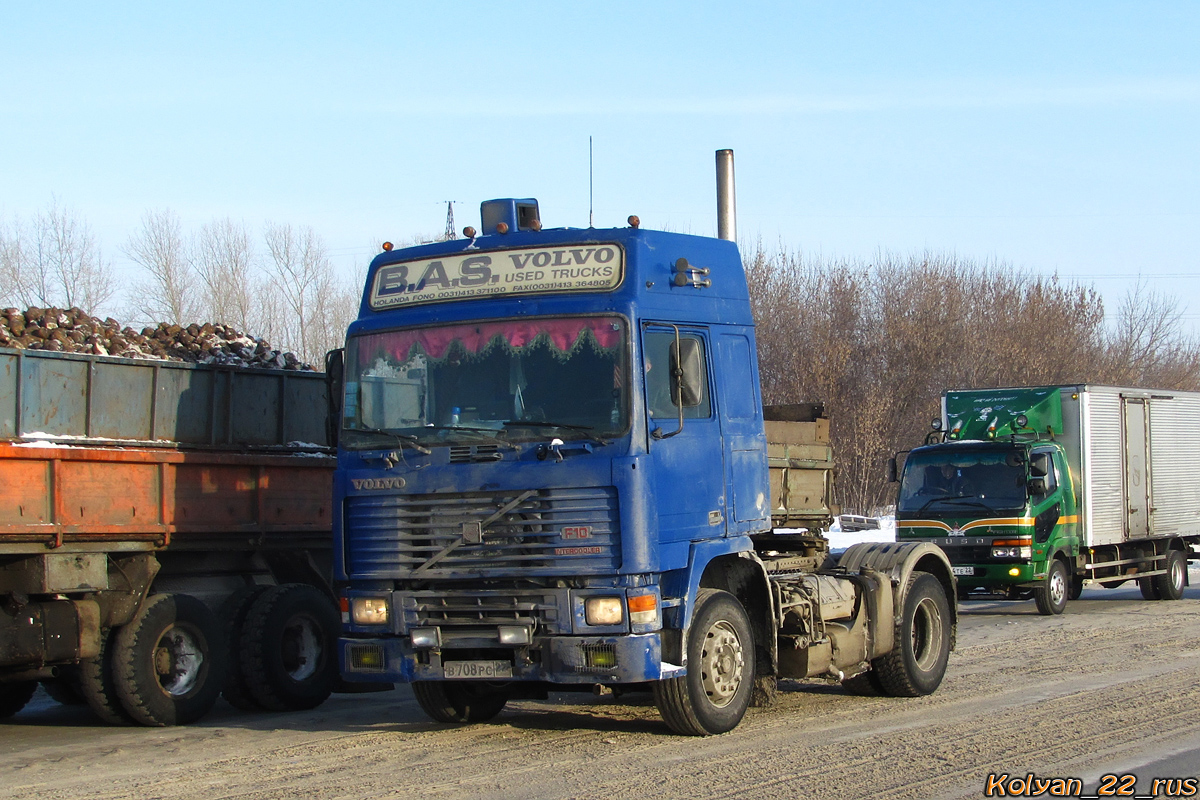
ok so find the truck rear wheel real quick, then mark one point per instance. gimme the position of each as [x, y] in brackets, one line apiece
[917, 664]
[14, 696]
[65, 688]
[460, 701]
[169, 661]
[1170, 584]
[714, 694]
[98, 686]
[1051, 596]
[233, 614]
[864, 684]
[289, 646]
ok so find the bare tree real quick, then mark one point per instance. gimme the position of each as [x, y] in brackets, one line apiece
[224, 258]
[169, 295]
[302, 274]
[56, 262]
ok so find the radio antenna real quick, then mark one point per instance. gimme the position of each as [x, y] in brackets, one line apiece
[591, 221]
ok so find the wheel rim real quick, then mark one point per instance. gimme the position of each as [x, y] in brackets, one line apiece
[1058, 587]
[1177, 574]
[722, 662]
[301, 647]
[926, 634]
[178, 660]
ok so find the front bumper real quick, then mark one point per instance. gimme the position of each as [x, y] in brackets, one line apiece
[632, 658]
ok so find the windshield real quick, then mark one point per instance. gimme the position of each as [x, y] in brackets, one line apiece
[516, 380]
[963, 482]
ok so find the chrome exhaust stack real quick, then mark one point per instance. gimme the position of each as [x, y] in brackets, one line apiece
[726, 202]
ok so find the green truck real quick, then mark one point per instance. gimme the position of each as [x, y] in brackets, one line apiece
[1035, 491]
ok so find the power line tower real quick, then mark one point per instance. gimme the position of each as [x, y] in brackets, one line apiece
[450, 233]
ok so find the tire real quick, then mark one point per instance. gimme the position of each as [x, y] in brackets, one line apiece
[714, 694]
[460, 701]
[289, 648]
[15, 696]
[864, 684]
[169, 661]
[233, 615]
[1076, 590]
[98, 687]
[1149, 588]
[1051, 596]
[916, 665]
[1170, 586]
[65, 688]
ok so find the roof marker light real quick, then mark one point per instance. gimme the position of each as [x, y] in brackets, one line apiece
[469, 232]
[502, 228]
[634, 221]
[387, 247]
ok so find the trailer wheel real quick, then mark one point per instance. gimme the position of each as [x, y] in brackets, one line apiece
[714, 694]
[1051, 596]
[289, 646]
[1170, 585]
[460, 701]
[98, 686]
[864, 684]
[916, 665]
[233, 614]
[14, 696]
[169, 661]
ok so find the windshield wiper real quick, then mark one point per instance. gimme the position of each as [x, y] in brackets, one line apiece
[516, 423]
[402, 439]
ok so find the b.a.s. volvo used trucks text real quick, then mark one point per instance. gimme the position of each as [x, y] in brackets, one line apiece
[1035, 491]
[553, 473]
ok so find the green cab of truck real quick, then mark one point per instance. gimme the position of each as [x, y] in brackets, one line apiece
[995, 488]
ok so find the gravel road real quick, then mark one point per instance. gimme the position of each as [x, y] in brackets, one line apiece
[1112, 684]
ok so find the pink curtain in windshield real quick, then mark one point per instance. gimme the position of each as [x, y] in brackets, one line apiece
[562, 334]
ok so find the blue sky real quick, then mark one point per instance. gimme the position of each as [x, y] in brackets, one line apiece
[1056, 136]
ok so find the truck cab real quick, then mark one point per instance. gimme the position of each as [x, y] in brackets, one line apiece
[995, 490]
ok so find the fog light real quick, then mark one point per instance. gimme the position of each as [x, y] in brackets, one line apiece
[643, 609]
[1014, 572]
[514, 634]
[369, 610]
[426, 637]
[603, 610]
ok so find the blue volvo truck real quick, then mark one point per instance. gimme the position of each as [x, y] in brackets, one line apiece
[553, 474]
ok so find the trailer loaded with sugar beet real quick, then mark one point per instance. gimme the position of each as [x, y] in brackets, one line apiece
[1034, 491]
[164, 536]
[554, 474]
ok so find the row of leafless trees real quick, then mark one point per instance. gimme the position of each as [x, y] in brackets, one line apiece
[879, 341]
[280, 285]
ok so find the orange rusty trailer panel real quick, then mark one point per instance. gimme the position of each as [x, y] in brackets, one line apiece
[55, 496]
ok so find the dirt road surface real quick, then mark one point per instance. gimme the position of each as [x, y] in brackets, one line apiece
[1111, 685]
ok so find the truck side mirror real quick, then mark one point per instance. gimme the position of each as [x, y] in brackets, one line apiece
[687, 373]
[335, 361]
[1039, 465]
[891, 473]
[1037, 485]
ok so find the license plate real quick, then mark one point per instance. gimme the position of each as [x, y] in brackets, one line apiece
[968, 571]
[478, 670]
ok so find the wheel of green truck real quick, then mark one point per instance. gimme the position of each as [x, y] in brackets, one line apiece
[94, 678]
[714, 694]
[1051, 596]
[917, 663]
[15, 696]
[460, 701]
[289, 647]
[1170, 584]
[233, 615]
[169, 661]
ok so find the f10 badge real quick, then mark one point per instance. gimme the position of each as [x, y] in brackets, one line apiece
[577, 532]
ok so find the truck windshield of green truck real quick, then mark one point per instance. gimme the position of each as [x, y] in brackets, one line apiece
[518, 380]
[963, 481]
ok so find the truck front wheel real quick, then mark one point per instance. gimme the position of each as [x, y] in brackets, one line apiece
[460, 701]
[169, 661]
[916, 665]
[714, 694]
[1051, 595]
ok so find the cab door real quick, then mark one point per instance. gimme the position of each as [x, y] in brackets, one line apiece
[689, 469]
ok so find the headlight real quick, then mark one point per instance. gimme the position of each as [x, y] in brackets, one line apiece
[369, 610]
[604, 610]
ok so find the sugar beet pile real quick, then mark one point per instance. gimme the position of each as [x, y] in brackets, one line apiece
[73, 331]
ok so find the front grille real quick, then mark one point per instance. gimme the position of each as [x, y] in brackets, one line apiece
[476, 615]
[544, 532]
[466, 454]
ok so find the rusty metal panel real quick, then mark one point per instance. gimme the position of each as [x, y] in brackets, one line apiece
[131, 386]
[258, 416]
[53, 396]
[25, 491]
[100, 493]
